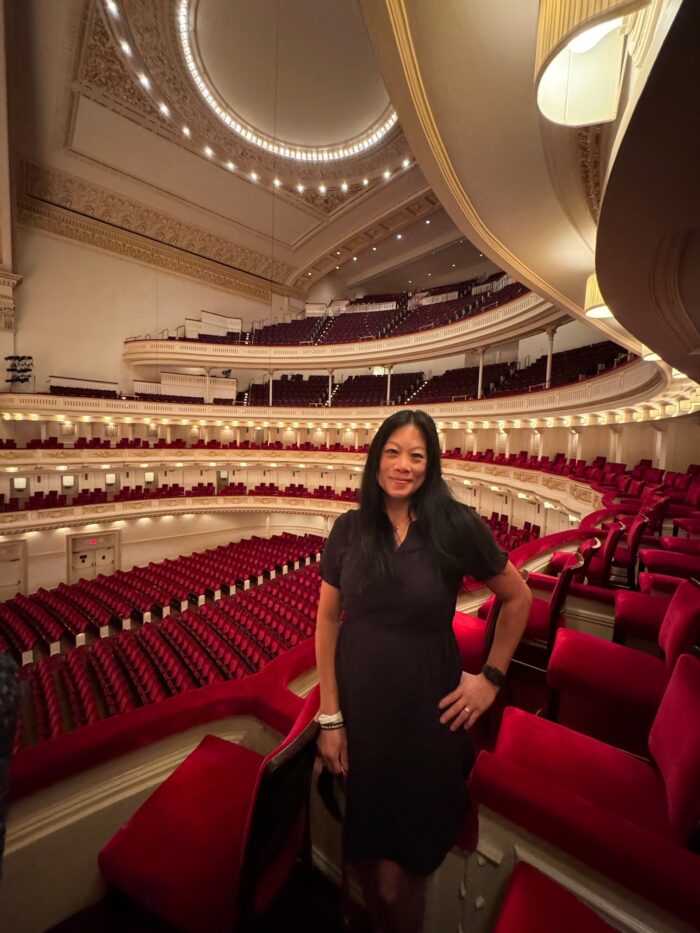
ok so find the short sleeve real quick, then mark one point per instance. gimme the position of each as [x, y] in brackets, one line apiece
[331, 559]
[483, 557]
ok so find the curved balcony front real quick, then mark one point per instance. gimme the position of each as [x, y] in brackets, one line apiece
[526, 315]
[634, 384]
[562, 493]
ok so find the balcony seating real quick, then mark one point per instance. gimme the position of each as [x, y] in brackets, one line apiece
[670, 563]
[534, 903]
[294, 390]
[610, 691]
[217, 866]
[294, 333]
[616, 815]
[214, 641]
[359, 391]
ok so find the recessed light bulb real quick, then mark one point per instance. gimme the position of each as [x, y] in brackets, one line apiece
[374, 249]
[186, 131]
[322, 189]
[354, 258]
[277, 183]
[427, 221]
[164, 109]
[254, 176]
[365, 181]
[113, 8]
[399, 236]
[406, 163]
[300, 189]
[126, 48]
[344, 186]
[208, 152]
[230, 166]
[143, 81]
[386, 174]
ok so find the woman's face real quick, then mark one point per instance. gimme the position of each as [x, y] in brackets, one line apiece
[403, 463]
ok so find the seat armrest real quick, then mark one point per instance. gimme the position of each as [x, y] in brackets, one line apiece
[638, 615]
[653, 867]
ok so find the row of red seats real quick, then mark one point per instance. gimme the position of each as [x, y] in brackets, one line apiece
[228, 639]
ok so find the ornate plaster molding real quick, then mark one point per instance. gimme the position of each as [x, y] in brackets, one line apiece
[589, 154]
[8, 283]
[151, 27]
[72, 207]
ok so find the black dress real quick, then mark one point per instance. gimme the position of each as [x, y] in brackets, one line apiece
[396, 659]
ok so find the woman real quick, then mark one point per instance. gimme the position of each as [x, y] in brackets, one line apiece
[394, 702]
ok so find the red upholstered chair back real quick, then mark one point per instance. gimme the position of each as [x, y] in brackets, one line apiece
[587, 550]
[693, 495]
[277, 826]
[674, 743]
[634, 535]
[681, 626]
[561, 591]
[656, 513]
[608, 550]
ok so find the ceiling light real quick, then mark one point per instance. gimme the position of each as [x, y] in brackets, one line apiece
[337, 252]
[429, 274]
[126, 48]
[164, 109]
[399, 236]
[365, 181]
[354, 258]
[322, 189]
[410, 281]
[143, 81]
[594, 303]
[113, 8]
[277, 183]
[254, 176]
[208, 152]
[427, 221]
[230, 166]
[374, 249]
[186, 131]
[344, 186]
[454, 265]
[300, 189]
[406, 163]
[386, 174]
[308, 273]
[337, 267]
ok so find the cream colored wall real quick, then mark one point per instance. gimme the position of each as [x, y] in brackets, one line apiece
[573, 334]
[76, 306]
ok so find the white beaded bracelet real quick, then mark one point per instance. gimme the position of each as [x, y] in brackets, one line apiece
[329, 719]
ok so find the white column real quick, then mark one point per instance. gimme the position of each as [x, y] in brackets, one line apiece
[550, 350]
[573, 445]
[9, 280]
[660, 446]
[506, 446]
[355, 441]
[388, 385]
[328, 435]
[168, 433]
[43, 430]
[238, 436]
[270, 390]
[297, 436]
[536, 442]
[330, 388]
[480, 389]
[614, 436]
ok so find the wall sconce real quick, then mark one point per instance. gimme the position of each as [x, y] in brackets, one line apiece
[594, 303]
[579, 63]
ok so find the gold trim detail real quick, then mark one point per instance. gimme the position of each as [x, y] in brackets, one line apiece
[74, 208]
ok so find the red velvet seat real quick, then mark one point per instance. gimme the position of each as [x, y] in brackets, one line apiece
[213, 845]
[671, 563]
[619, 816]
[536, 904]
[613, 692]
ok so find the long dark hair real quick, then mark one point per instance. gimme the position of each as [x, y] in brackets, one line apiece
[439, 517]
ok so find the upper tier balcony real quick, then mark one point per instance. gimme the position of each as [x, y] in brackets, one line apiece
[525, 315]
[643, 389]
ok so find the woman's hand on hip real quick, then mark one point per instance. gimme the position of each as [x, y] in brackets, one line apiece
[472, 697]
[333, 746]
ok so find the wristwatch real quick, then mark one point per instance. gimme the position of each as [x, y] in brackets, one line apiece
[492, 674]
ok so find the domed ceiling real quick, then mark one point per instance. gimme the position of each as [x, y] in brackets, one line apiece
[299, 76]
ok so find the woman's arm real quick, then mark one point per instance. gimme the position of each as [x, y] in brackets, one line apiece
[475, 693]
[332, 743]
